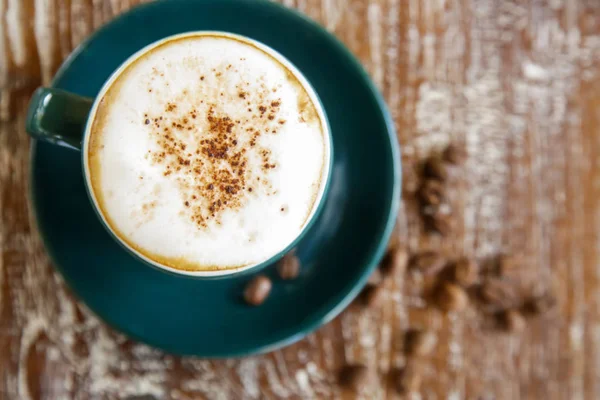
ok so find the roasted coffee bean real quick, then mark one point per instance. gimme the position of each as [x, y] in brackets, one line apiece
[409, 378]
[466, 272]
[354, 377]
[257, 290]
[429, 262]
[436, 168]
[432, 192]
[513, 320]
[440, 224]
[373, 295]
[500, 293]
[540, 304]
[289, 267]
[394, 262]
[452, 297]
[420, 342]
[454, 154]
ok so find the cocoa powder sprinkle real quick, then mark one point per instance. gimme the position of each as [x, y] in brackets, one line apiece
[206, 151]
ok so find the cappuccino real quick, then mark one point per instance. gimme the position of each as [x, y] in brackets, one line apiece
[207, 152]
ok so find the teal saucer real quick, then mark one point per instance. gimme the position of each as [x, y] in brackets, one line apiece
[208, 318]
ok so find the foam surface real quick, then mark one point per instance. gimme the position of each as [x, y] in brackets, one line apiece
[207, 153]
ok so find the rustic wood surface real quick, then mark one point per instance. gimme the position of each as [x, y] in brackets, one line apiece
[516, 82]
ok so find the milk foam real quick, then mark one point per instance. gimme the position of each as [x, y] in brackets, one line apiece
[207, 153]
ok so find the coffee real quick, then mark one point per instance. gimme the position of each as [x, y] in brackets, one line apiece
[207, 152]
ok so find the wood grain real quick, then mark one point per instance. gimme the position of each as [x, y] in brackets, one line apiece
[517, 83]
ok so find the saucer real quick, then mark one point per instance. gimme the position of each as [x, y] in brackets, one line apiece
[209, 318]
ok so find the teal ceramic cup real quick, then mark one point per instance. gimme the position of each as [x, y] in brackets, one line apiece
[67, 119]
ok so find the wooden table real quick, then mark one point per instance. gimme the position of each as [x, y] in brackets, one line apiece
[517, 83]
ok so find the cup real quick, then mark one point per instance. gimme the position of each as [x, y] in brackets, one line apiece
[66, 119]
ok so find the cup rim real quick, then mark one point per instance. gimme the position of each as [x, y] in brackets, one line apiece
[226, 272]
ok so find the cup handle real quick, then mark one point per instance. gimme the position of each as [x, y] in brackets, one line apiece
[58, 117]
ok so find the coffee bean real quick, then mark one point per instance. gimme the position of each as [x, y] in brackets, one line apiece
[512, 320]
[409, 378]
[257, 290]
[500, 293]
[466, 272]
[540, 304]
[454, 154]
[354, 377]
[429, 262]
[452, 297]
[289, 267]
[420, 342]
[432, 192]
[394, 262]
[441, 224]
[373, 296]
[436, 168]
